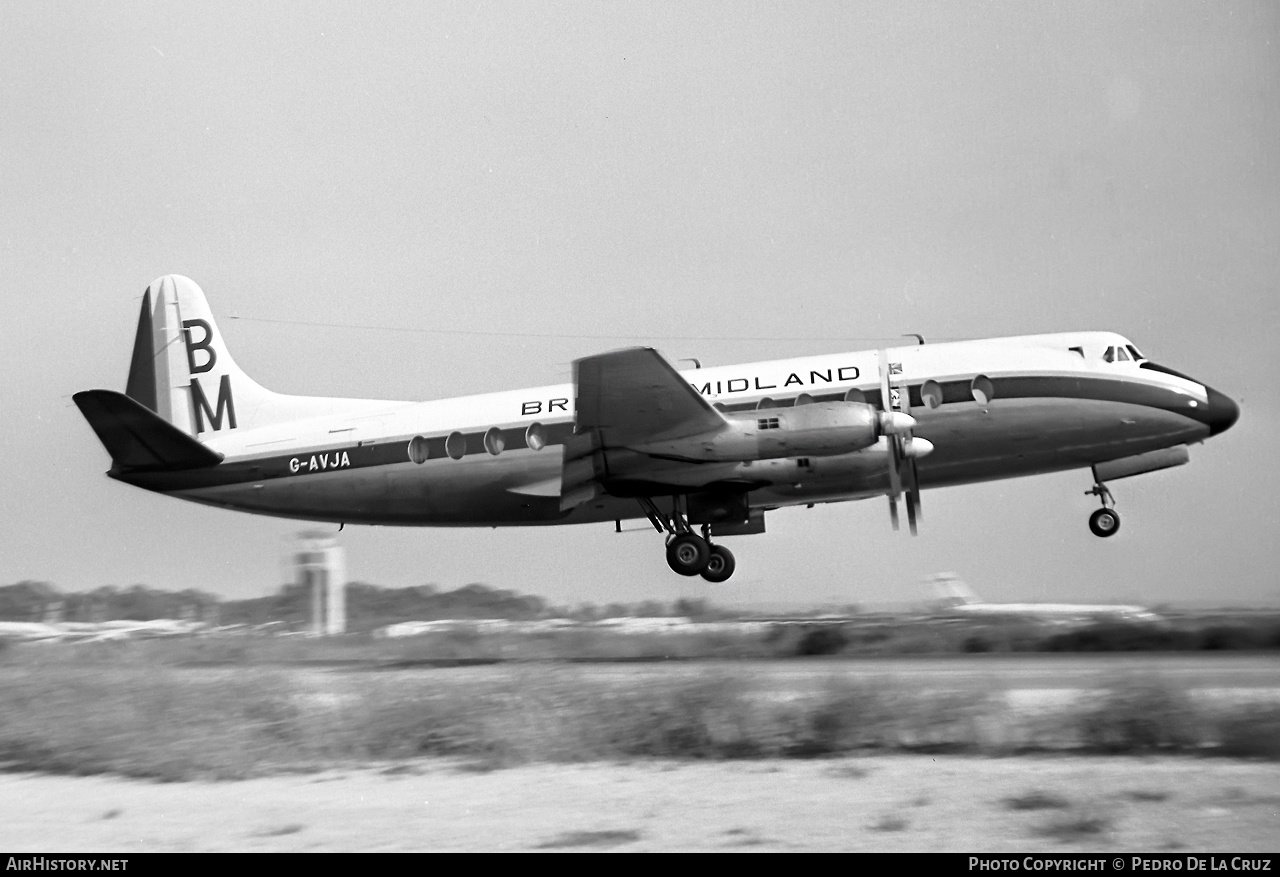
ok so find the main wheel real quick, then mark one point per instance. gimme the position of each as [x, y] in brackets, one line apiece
[688, 553]
[1104, 522]
[720, 564]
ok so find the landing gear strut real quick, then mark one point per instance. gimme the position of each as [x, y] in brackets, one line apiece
[1105, 521]
[688, 553]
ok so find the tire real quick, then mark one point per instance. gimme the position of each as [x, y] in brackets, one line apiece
[1104, 523]
[720, 564]
[688, 553]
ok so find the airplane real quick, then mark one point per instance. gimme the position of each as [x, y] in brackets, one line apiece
[701, 453]
[958, 599]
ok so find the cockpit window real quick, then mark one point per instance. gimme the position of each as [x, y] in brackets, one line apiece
[1110, 355]
[1122, 355]
[1136, 355]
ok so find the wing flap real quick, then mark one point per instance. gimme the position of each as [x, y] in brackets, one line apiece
[138, 438]
[581, 471]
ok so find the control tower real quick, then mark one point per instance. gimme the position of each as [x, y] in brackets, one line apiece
[322, 570]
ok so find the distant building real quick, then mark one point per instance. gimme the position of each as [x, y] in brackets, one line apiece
[321, 569]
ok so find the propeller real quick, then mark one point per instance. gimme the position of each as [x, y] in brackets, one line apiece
[897, 425]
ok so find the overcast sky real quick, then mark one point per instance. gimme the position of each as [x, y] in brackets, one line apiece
[468, 196]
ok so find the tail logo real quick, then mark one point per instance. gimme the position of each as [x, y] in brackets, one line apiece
[205, 344]
[226, 406]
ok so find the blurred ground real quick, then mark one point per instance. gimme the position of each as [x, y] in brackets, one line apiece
[890, 802]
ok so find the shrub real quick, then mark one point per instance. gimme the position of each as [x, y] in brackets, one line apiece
[1037, 800]
[1139, 716]
[1250, 732]
[1075, 827]
[822, 641]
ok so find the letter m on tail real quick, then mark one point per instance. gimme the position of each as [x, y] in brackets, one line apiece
[225, 406]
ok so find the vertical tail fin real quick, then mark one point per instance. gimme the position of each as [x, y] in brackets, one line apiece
[952, 590]
[182, 370]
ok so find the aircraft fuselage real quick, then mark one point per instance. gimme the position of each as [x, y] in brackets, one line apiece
[995, 408]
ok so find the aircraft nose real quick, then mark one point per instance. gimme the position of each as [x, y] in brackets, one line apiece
[1223, 412]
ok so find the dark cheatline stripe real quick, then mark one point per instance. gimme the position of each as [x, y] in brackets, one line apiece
[1022, 387]
[361, 455]
[1151, 366]
[396, 451]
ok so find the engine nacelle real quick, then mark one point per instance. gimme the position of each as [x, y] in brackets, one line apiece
[819, 429]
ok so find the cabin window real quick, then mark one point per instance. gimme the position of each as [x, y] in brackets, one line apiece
[455, 445]
[766, 402]
[803, 399]
[418, 449]
[534, 437]
[494, 441]
[855, 395]
[982, 390]
[931, 394]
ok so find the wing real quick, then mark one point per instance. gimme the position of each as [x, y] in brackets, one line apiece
[635, 396]
[626, 398]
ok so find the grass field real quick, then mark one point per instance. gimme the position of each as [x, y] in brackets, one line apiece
[149, 709]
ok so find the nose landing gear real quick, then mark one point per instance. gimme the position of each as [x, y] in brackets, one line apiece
[688, 553]
[1106, 520]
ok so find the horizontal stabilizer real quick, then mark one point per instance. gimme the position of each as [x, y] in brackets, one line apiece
[138, 438]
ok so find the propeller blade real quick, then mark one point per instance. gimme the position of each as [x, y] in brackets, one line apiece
[915, 486]
[913, 494]
[895, 466]
[896, 424]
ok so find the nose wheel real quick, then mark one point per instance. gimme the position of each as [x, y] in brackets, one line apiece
[1106, 520]
[688, 553]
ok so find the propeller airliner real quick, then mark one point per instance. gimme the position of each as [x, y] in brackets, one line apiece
[957, 600]
[701, 453]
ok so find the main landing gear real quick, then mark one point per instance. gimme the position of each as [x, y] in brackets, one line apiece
[688, 553]
[1106, 520]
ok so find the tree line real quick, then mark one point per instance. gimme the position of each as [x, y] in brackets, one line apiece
[368, 606]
